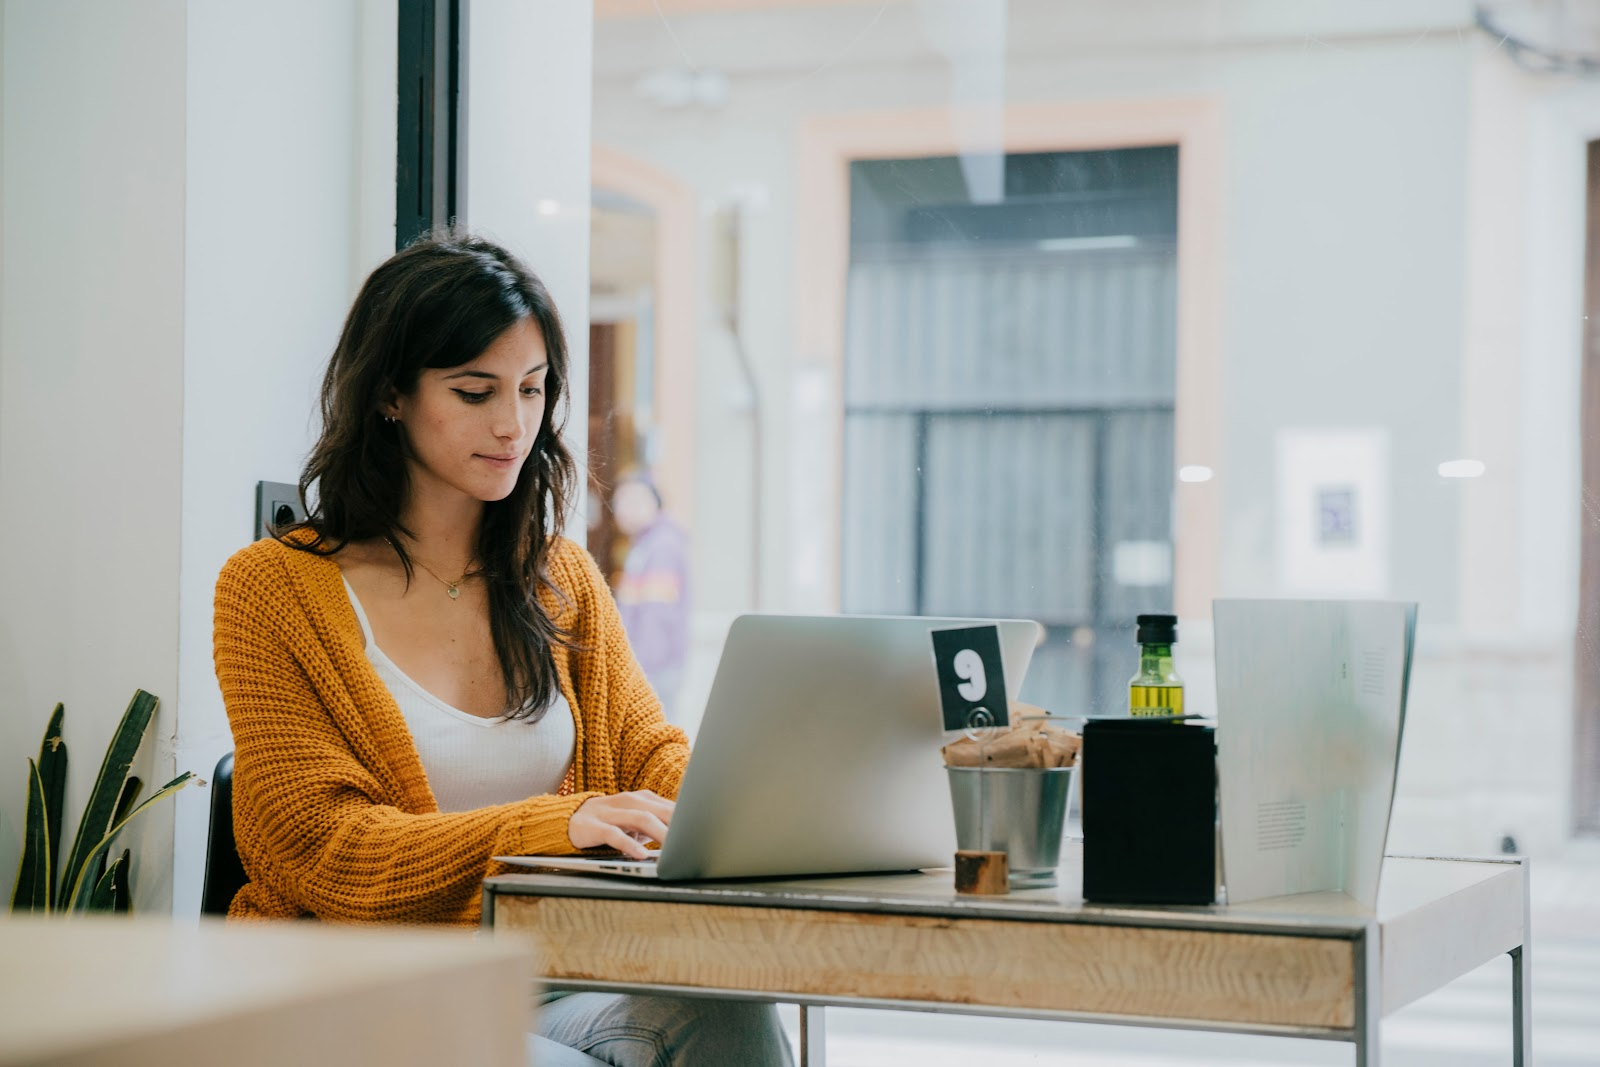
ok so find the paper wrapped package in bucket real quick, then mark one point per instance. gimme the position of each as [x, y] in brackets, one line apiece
[1028, 742]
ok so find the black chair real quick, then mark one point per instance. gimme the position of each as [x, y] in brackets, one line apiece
[224, 873]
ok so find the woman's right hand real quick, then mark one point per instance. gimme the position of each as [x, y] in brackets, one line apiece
[623, 821]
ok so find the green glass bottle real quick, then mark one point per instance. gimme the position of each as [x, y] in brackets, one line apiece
[1156, 690]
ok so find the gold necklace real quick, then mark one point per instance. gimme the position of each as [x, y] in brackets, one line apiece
[451, 588]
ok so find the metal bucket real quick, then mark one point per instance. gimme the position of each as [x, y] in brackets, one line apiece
[1019, 811]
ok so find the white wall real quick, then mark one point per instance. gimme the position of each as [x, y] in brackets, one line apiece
[91, 395]
[528, 99]
[291, 203]
[1344, 290]
[1488, 749]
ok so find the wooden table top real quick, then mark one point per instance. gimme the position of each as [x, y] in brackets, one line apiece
[1409, 883]
[144, 990]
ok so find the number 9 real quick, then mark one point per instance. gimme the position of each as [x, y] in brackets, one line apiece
[969, 665]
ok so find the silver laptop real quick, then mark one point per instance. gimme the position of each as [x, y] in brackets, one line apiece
[818, 753]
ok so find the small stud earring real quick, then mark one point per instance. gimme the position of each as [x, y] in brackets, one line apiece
[389, 419]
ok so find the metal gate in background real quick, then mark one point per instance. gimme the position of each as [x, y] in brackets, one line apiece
[1009, 443]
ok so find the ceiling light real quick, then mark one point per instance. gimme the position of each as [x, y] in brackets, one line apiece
[676, 87]
[1462, 468]
[1087, 244]
[1195, 473]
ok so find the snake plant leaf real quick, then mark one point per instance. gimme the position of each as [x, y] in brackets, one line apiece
[130, 793]
[32, 889]
[97, 869]
[103, 896]
[121, 891]
[53, 775]
[125, 799]
[100, 814]
[77, 894]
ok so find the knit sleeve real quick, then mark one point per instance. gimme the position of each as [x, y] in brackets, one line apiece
[650, 752]
[314, 822]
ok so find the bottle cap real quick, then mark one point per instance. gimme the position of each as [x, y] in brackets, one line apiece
[1158, 629]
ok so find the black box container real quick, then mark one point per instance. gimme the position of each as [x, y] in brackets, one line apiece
[1149, 811]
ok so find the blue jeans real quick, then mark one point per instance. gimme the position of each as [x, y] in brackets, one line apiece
[648, 1031]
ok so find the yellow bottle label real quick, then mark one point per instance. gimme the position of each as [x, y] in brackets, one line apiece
[1155, 700]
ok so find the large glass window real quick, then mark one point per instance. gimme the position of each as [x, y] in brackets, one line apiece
[1078, 311]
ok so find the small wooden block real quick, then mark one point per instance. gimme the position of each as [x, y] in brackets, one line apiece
[981, 873]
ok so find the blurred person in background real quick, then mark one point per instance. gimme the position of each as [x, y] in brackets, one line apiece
[653, 591]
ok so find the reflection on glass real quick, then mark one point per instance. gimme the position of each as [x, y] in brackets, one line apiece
[1079, 311]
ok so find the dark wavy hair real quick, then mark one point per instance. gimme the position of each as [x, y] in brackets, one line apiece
[440, 303]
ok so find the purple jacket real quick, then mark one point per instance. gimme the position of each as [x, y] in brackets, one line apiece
[653, 598]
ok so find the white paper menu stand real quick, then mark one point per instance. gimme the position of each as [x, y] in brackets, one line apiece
[1311, 702]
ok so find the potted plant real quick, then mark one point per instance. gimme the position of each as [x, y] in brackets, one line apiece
[86, 881]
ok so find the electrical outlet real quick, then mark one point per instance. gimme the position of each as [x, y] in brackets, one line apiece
[277, 504]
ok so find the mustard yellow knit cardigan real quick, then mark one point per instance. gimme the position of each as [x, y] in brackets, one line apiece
[332, 811]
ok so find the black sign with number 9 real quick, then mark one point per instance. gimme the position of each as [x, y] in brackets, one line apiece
[971, 676]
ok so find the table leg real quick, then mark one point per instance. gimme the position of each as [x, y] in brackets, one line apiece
[1522, 981]
[1521, 1008]
[1369, 997]
[1367, 1051]
[813, 1037]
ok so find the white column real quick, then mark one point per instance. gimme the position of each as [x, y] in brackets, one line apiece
[528, 102]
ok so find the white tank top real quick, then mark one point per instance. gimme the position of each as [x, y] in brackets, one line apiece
[473, 762]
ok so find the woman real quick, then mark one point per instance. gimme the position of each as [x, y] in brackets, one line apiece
[424, 674]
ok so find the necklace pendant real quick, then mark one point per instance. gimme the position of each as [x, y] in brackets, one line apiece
[454, 591]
